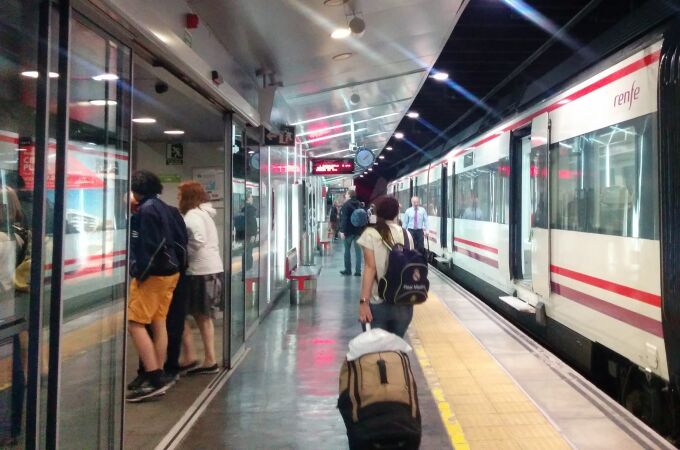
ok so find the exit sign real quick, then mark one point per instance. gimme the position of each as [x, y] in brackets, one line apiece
[332, 167]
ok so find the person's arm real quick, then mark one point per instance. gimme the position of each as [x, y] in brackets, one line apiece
[149, 240]
[367, 280]
[406, 224]
[425, 219]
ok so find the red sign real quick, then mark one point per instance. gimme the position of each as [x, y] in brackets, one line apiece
[332, 166]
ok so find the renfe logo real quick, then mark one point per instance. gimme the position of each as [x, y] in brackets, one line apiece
[627, 97]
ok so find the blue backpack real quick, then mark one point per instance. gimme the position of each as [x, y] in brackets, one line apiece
[405, 281]
[359, 218]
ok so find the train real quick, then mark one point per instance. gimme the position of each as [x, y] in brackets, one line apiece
[564, 216]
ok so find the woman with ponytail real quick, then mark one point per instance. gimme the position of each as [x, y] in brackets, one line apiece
[376, 242]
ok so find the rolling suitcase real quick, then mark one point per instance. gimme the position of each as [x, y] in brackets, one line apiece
[379, 402]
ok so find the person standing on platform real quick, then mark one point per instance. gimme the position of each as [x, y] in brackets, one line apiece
[350, 233]
[156, 259]
[250, 214]
[376, 241]
[204, 274]
[333, 220]
[415, 221]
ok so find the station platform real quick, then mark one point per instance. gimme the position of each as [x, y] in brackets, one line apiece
[483, 384]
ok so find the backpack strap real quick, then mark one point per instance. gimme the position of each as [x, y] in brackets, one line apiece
[407, 242]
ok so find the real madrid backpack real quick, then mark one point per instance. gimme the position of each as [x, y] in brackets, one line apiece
[405, 281]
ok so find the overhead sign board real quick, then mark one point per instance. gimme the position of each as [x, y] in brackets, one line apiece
[284, 137]
[332, 167]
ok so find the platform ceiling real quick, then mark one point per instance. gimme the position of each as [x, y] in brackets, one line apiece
[291, 38]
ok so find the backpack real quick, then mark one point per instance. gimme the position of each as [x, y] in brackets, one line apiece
[379, 402]
[405, 281]
[359, 218]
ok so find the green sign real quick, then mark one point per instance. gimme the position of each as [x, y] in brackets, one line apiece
[170, 178]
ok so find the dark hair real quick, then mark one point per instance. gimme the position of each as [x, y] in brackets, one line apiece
[386, 208]
[146, 183]
[191, 195]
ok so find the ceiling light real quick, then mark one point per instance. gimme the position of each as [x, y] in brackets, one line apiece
[334, 2]
[388, 148]
[361, 176]
[331, 136]
[341, 33]
[370, 169]
[381, 157]
[105, 77]
[564, 102]
[332, 115]
[91, 143]
[103, 102]
[412, 114]
[175, 132]
[34, 74]
[399, 135]
[375, 163]
[144, 120]
[440, 76]
[342, 56]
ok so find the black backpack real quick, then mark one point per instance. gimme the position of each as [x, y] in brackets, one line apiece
[405, 281]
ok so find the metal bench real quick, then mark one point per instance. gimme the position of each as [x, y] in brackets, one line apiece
[303, 279]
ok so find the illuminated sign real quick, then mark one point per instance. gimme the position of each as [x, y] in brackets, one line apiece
[332, 166]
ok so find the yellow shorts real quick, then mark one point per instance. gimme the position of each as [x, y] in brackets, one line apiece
[150, 299]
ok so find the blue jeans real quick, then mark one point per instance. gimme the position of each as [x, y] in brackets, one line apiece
[392, 318]
[357, 253]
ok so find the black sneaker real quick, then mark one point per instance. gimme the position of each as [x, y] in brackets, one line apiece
[345, 272]
[357, 274]
[136, 383]
[148, 391]
[186, 368]
[204, 370]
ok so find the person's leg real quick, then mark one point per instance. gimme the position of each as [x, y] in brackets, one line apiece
[357, 254]
[175, 324]
[144, 345]
[401, 317]
[189, 356]
[207, 328]
[348, 257]
[160, 339]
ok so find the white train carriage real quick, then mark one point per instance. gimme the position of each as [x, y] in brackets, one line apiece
[559, 207]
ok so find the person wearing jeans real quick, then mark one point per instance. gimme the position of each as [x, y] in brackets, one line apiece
[350, 233]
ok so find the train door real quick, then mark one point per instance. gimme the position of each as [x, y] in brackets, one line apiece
[539, 206]
[520, 207]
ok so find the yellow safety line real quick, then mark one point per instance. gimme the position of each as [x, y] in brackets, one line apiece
[453, 428]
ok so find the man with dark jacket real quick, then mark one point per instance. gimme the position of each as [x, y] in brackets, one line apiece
[350, 233]
[158, 239]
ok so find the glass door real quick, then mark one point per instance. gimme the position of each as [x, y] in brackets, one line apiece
[238, 249]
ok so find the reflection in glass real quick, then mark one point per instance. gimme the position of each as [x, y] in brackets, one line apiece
[238, 240]
[251, 212]
[95, 241]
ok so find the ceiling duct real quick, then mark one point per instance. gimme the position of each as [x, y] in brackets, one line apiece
[266, 94]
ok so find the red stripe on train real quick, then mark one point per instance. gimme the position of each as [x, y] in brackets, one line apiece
[626, 291]
[477, 256]
[634, 319]
[475, 244]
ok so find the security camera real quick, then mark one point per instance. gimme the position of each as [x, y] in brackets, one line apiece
[161, 87]
[355, 99]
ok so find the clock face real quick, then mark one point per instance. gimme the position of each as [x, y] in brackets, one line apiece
[365, 158]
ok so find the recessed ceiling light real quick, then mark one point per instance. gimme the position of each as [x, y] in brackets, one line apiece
[361, 176]
[341, 33]
[389, 148]
[175, 132]
[144, 120]
[371, 169]
[334, 2]
[105, 77]
[564, 102]
[399, 135]
[342, 56]
[103, 102]
[440, 76]
[381, 157]
[34, 74]
[412, 114]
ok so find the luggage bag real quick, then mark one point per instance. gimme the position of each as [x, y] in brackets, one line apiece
[379, 402]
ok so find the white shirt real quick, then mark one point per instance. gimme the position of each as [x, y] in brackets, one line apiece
[203, 248]
[410, 221]
[371, 240]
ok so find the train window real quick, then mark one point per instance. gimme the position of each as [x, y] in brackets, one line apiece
[434, 191]
[450, 197]
[603, 181]
[482, 193]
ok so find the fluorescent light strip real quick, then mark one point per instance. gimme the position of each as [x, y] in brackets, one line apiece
[377, 134]
[333, 153]
[333, 115]
[321, 130]
[330, 136]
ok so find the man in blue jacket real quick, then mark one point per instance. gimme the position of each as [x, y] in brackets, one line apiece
[158, 239]
[350, 233]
